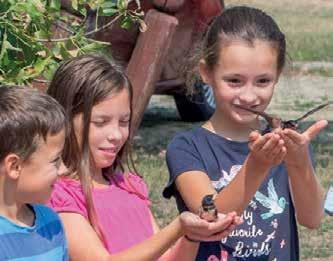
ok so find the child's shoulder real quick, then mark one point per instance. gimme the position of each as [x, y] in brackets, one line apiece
[122, 177]
[190, 133]
[132, 182]
[192, 140]
[68, 196]
[187, 136]
[45, 238]
[45, 213]
[66, 185]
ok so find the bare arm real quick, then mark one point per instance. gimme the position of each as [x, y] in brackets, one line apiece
[188, 249]
[307, 194]
[306, 191]
[266, 151]
[84, 243]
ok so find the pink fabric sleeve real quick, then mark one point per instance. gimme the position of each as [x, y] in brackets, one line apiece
[67, 198]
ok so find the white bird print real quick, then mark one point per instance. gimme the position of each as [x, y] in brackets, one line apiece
[226, 177]
[275, 204]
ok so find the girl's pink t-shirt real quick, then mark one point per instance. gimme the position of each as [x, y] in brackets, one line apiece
[123, 213]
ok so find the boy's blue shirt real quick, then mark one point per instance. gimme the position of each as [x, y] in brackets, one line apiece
[269, 231]
[45, 240]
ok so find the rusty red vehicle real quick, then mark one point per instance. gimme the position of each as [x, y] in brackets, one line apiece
[154, 58]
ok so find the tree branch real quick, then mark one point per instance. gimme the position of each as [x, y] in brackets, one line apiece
[86, 34]
[40, 80]
[63, 27]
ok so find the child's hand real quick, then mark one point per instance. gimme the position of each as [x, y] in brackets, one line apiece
[199, 229]
[297, 143]
[267, 150]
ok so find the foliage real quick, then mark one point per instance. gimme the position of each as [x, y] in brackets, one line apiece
[28, 47]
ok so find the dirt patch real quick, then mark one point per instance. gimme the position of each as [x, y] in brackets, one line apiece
[295, 95]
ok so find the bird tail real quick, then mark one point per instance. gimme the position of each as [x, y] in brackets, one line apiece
[266, 215]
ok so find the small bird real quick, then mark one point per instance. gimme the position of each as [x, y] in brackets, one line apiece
[275, 204]
[274, 122]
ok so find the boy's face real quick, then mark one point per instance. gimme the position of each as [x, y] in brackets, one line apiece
[40, 171]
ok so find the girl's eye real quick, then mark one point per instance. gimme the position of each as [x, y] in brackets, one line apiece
[264, 82]
[99, 123]
[124, 122]
[234, 81]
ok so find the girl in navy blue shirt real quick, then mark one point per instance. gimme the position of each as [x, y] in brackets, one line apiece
[268, 178]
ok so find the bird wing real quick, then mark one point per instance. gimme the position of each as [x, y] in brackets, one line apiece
[271, 191]
[313, 111]
[263, 200]
[269, 118]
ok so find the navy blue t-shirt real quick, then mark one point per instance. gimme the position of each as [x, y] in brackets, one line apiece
[269, 231]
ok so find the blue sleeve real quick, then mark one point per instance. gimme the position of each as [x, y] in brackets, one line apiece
[65, 243]
[182, 156]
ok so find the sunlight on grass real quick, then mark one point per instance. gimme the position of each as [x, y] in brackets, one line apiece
[319, 243]
[308, 26]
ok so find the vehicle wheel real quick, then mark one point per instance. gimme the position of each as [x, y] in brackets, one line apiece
[197, 107]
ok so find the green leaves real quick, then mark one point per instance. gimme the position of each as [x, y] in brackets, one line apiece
[108, 8]
[54, 5]
[35, 37]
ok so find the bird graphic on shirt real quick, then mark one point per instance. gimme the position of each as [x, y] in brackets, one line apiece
[226, 177]
[275, 204]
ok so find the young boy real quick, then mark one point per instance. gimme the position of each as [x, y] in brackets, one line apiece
[32, 134]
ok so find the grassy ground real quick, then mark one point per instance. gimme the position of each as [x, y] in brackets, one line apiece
[308, 25]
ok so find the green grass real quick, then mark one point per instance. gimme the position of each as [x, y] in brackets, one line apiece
[157, 131]
[150, 148]
[307, 24]
[320, 71]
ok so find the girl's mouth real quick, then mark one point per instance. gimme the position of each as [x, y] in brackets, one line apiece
[109, 151]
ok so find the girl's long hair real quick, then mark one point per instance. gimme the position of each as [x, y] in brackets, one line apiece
[78, 85]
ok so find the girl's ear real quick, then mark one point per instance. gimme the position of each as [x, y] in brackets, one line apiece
[13, 165]
[205, 72]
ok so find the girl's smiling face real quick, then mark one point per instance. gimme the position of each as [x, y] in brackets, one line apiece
[244, 75]
[109, 128]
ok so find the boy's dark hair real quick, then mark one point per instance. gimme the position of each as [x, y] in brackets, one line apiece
[26, 116]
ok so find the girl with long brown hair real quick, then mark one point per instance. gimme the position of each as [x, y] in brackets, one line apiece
[106, 210]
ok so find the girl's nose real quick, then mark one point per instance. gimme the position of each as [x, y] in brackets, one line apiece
[62, 169]
[114, 134]
[247, 95]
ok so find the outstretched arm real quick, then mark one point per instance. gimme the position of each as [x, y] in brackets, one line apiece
[266, 151]
[306, 191]
[84, 244]
[185, 249]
